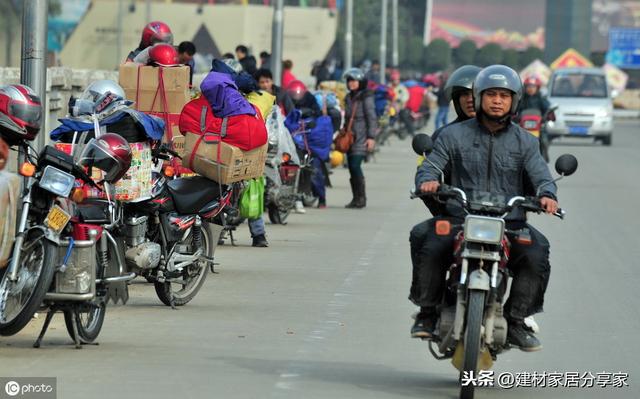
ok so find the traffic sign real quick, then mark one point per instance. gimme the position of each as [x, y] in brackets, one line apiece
[624, 48]
[571, 59]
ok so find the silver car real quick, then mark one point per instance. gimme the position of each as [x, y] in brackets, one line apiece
[585, 107]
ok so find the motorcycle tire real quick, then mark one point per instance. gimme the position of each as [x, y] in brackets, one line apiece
[88, 319]
[277, 215]
[472, 338]
[44, 253]
[193, 282]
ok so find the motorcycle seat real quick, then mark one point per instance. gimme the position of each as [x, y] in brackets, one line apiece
[191, 194]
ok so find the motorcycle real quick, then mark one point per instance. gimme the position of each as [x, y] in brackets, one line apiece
[472, 329]
[282, 170]
[54, 259]
[169, 238]
[532, 120]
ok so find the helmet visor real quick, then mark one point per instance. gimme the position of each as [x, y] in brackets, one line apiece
[162, 38]
[30, 114]
[94, 155]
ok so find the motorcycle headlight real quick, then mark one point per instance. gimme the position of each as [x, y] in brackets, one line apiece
[484, 230]
[56, 181]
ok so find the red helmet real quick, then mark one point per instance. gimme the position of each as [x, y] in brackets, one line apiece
[296, 90]
[532, 81]
[156, 32]
[110, 153]
[20, 113]
[163, 55]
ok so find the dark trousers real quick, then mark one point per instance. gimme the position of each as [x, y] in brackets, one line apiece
[407, 120]
[355, 165]
[432, 255]
[318, 179]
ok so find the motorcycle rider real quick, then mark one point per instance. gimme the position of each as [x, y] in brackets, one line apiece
[458, 90]
[489, 153]
[154, 32]
[401, 96]
[532, 99]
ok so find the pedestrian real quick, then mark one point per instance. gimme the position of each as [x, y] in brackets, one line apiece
[247, 61]
[228, 56]
[186, 51]
[264, 77]
[321, 72]
[360, 107]
[287, 75]
[265, 60]
[373, 74]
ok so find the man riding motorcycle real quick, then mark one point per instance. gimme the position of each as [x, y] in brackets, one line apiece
[488, 154]
[532, 99]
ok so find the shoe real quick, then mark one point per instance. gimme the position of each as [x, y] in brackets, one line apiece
[518, 335]
[425, 325]
[299, 208]
[322, 204]
[354, 192]
[260, 241]
[361, 196]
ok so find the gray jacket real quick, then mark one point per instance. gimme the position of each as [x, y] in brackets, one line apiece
[483, 162]
[365, 123]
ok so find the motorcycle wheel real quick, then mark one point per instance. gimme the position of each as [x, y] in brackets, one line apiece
[193, 276]
[277, 215]
[88, 318]
[20, 300]
[475, 308]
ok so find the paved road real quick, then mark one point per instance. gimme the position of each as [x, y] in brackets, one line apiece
[323, 312]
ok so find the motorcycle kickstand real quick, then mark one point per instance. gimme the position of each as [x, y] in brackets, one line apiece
[45, 326]
[172, 303]
[233, 241]
[76, 339]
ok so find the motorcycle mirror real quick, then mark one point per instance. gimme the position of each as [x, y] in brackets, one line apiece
[422, 144]
[566, 165]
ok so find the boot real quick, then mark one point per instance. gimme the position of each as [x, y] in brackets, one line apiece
[354, 192]
[361, 196]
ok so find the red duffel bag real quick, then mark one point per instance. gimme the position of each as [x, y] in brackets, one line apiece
[246, 132]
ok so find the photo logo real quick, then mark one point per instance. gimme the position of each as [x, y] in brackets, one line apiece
[12, 388]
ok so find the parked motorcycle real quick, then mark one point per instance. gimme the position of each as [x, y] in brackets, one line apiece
[471, 329]
[532, 120]
[282, 170]
[170, 238]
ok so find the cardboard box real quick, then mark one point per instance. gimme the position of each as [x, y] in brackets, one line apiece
[142, 85]
[235, 164]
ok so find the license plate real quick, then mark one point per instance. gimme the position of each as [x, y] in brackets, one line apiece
[530, 125]
[581, 130]
[57, 219]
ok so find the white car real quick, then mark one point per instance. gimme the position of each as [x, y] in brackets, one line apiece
[585, 107]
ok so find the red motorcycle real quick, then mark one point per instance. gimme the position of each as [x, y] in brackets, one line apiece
[532, 120]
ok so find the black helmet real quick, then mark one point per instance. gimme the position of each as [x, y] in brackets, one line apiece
[497, 77]
[460, 80]
[355, 74]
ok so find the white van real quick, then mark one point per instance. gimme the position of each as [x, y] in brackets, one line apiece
[585, 107]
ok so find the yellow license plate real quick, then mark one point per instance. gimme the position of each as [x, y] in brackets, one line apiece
[57, 219]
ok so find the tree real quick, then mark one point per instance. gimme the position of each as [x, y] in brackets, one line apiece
[529, 55]
[511, 58]
[438, 55]
[489, 54]
[465, 53]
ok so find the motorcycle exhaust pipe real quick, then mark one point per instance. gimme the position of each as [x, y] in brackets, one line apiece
[117, 279]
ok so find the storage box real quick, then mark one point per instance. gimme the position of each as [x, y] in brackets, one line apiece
[235, 164]
[9, 197]
[142, 85]
[79, 276]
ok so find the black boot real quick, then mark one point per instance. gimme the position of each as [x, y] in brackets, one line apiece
[361, 195]
[353, 192]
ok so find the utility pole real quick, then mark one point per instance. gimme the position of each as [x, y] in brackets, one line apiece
[394, 32]
[383, 41]
[277, 30]
[427, 22]
[33, 65]
[148, 16]
[119, 33]
[348, 36]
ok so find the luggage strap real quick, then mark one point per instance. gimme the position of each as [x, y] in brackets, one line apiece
[211, 138]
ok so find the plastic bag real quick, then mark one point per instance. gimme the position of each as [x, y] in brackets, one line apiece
[252, 200]
[279, 135]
